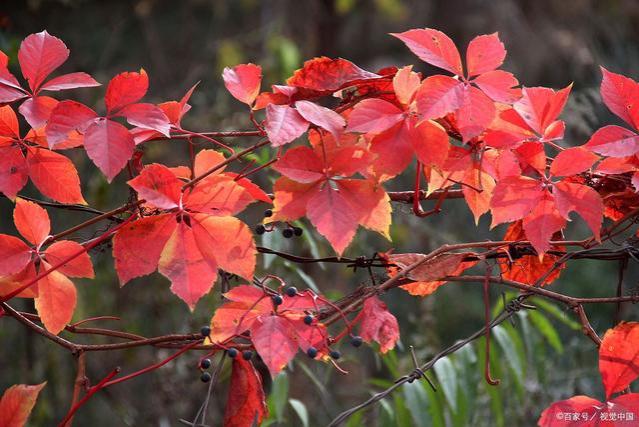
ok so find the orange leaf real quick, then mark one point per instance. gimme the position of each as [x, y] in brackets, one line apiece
[619, 357]
[32, 221]
[17, 403]
[56, 300]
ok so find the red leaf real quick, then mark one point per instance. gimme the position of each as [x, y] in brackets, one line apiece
[514, 198]
[540, 106]
[620, 94]
[13, 171]
[581, 199]
[528, 269]
[300, 164]
[183, 264]
[246, 403]
[405, 84]
[485, 53]
[54, 175]
[158, 186]
[14, 255]
[70, 81]
[137, 246]
[326, 74]
[8, 122]
[378, 324]
[333, 216]
[434, 47]
[572, 161]
[243, 81]
[543, 222]
[283, 124]
[80, 266]
[17, 403]
[394, 149]
[56, 300]
[320, 116]
[124, 89]
[227, 241]
[619, 357]
[614, 141]
[39, 55]
[67, 118]
[32, 221]
[475, 113]
[478, 191]
[13, 282]
[499, 86]
[374, 115]
[252, 189]
[37, 110]
[438, 96]
[146, 116]
[584, 411]
[110, 145]
[218, 195]
[291, 199]
[274, 340]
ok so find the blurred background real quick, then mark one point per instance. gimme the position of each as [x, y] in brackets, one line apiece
[540, 358]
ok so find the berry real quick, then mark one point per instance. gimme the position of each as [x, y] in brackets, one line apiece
[205, 377]
[335, 354]
[247, 354]
[232, 352]
[308, 319]
[298, 231]
[268, 213]
[277, 300]
[311, 352]
[287, 233]
[356, 341]
[291, 291]
[260, 229]
[205, 363]
[205, 331]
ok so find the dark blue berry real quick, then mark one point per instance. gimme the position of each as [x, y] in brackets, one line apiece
[268, 213]
[356, 341]
[205, 377]
[287, 233]
[311, 352]
[260, 229]
[205, 363]
[308, 319]
[205, 331]
[232, 352]
[298, 231]
[291, 291]
[335, 354]
[247, 354]
[277, 299]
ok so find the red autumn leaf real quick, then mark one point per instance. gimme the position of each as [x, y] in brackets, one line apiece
[13, 282]
[620, 93]
[61, 250]
[472, 105]
[32, 221]
[574, 197]
[182, 262]
[405, 84]
[539, 107]
[584, 411]
[284, 124]
[125, 89]
[572, 161]
[146, 116]
[138, 245]
[322, 117]
[619, 357]
[56, 300]
[543, 222]
[17, 403]
[514, 198]
[54, 175]
[614, 141]
[14, 173]
[328, 75]
[109, 145]
[158, 186]
[378, 324]
[335, 211]
[274, 339]
[14, 255]
[374, 115]
[68, 119]
[528, 268]
[39, 55]
[246, 402]
[243, 81]
[478, 190]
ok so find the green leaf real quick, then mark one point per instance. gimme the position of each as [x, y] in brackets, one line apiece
[417, 403]
[447, 377]
[547, 330]
[278, 397]
[513, 350]
[496, 403]
[556, 312]
[300, 410]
